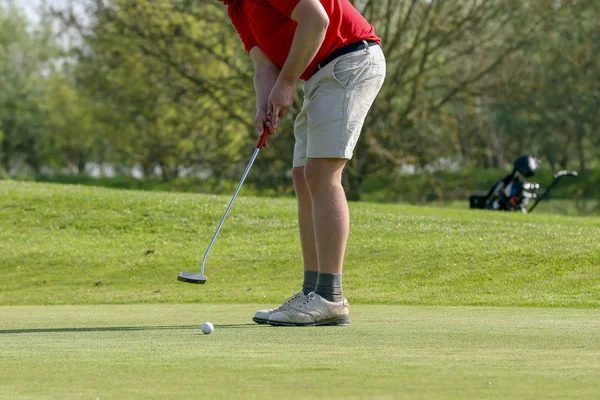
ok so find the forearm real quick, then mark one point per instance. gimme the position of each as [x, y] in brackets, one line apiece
[309, 36]
[265, 77]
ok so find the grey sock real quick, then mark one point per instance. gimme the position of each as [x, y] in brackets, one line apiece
[329, 286]
[310, 281]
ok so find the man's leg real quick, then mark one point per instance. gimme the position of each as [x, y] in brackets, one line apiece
[337, 100]
[331, 222]
[307, 233]
[324, 226]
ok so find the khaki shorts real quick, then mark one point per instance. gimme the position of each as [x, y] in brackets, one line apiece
[337, 99]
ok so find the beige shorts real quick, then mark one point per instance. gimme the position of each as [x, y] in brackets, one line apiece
[337, 99]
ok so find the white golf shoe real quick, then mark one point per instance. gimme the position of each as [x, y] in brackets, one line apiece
[313, 311]
[262, 316]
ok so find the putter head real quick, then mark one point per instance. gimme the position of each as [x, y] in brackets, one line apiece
[191, 277]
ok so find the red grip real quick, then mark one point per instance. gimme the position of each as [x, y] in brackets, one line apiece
[263, 138]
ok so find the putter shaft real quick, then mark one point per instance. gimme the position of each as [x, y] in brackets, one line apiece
[191, 277]
[229, 207]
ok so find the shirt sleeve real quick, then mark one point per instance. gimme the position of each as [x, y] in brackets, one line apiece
[242, 28]
[286, 7]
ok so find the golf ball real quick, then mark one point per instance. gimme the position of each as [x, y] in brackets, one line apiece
[207, 328]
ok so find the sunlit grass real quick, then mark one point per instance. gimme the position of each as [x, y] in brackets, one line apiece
[72, 245]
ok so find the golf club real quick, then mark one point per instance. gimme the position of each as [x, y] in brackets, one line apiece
[557, 177]
[191, 277]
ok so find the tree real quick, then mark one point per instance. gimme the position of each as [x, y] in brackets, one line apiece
[551, 101]
[164, 76]
[25, 55]
[440, 54]
[170, 85]
[69, 123]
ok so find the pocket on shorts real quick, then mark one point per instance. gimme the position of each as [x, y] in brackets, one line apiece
[347, 69]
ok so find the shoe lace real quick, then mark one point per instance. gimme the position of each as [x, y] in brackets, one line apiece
[309, 297]
[293, 298]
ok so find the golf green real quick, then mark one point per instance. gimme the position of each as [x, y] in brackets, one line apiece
[158, 351]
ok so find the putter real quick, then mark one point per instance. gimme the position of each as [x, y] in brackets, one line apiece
[557, 177]
[191, 277]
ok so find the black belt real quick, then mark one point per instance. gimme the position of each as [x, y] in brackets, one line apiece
[349, 48]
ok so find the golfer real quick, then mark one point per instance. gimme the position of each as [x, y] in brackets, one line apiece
[331, 47]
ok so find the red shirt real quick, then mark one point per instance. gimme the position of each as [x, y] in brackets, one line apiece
[267, 24]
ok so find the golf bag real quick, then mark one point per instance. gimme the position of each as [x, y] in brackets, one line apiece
[513, 193]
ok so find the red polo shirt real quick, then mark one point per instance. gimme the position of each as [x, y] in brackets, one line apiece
[267, 24]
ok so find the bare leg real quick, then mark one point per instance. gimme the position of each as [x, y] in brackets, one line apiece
[324, 240]
[331, 220]
[305, 221]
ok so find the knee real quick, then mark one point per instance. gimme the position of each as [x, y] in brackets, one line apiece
[298, 176]
[302, 191]
[318, 178]
[323, 174]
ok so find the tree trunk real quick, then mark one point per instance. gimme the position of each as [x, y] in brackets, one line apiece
[148, 170]
[81, 164]
[355, 171]
[353, 184]
[165, 173]
[581, 148]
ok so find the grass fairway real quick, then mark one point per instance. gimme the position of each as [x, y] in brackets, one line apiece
[84, 245]
[158, 351]
[446, 303]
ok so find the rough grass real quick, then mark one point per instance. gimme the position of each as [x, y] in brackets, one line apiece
[84, 245]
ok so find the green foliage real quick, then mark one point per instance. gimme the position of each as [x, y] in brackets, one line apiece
[164, 81]
[550, 103]
[69, 123]
[165, 88]
[24, 57]
[442, 57]
[3, 173]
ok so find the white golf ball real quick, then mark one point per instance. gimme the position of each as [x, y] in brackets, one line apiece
[207, 328]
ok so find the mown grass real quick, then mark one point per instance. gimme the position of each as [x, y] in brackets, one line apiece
[388, 352]
[72, 256]
[66, 244]
[574, 208]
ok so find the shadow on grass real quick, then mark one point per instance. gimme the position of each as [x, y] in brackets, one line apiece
[120, 329]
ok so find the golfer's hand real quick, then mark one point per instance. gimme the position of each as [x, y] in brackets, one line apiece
[281, 98]
[260, 121]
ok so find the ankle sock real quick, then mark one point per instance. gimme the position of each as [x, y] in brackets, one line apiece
[310, 281]
[329, 286]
